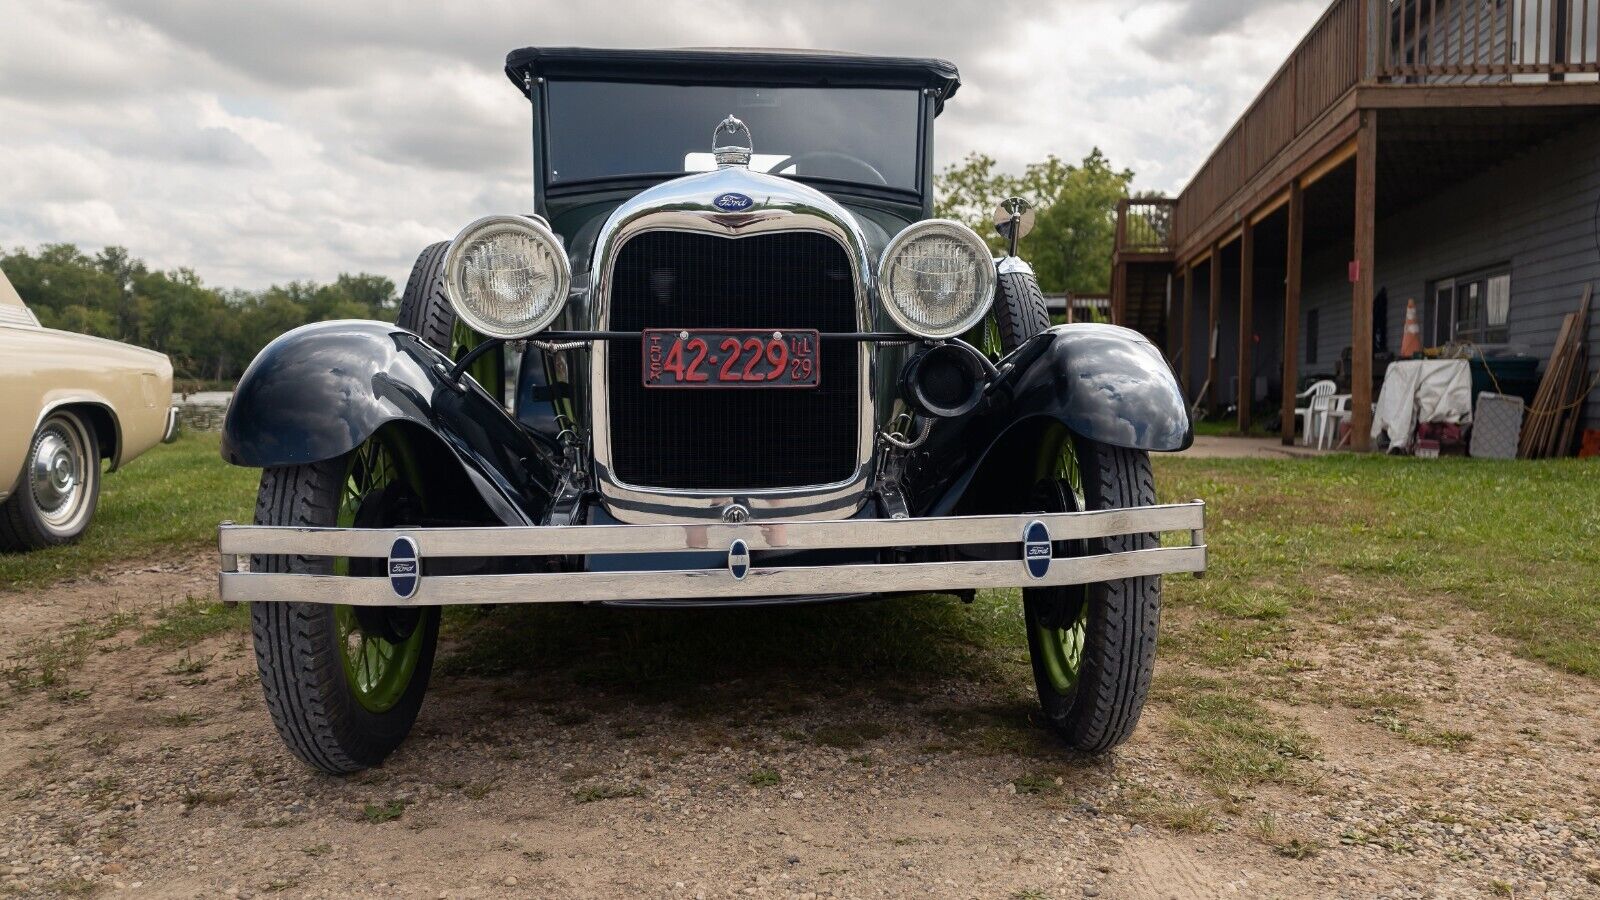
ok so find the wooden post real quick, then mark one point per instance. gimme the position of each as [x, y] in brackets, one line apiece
[1291, 311]
[1187, 353]
[1212, 320]
[1361, 294]
[1247, 301]
[1119, 294]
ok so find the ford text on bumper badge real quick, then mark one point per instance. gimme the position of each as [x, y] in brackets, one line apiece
[732, 202]
[405, 568]
[1036, 548]
[739, 559]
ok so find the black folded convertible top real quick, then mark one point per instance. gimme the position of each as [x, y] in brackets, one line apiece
[735, 66]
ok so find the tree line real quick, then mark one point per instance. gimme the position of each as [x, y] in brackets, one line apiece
[209, 333]
[213, 333]
[1075, 224]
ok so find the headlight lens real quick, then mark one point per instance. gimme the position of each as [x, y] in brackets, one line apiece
[937, 279]
[507, 276]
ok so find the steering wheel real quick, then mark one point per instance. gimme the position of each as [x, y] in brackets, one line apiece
[832, 156]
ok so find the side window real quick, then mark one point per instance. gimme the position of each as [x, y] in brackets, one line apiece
[1311, 335]
[1473, 308]
[1498, 310]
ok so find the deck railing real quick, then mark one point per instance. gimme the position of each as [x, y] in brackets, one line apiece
[1395, 42]
[1489, 41]
[1325, 66]
[1145, 225]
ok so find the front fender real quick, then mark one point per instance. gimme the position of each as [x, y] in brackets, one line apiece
[1101, 382]
[1105, 383]
[319, 391]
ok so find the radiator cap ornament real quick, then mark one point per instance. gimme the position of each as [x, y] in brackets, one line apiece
[728, 148]
[405, 568]
[1036, 549]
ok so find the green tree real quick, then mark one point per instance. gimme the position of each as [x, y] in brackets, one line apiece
[1072, 240]
[208, 333]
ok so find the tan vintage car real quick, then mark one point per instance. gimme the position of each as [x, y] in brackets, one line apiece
[68, 401]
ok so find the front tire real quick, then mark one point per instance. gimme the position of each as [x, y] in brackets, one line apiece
[1093, 647]
[59, 488]
[344, 685]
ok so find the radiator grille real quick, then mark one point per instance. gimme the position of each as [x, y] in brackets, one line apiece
[733, 439]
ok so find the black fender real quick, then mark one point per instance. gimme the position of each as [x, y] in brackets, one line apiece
[319, 391]
[1102, 382]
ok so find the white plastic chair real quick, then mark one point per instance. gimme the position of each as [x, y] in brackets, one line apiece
[1335, 412]
[1309, 418]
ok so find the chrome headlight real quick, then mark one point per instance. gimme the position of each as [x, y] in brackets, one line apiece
[507, 276]
[937, 279]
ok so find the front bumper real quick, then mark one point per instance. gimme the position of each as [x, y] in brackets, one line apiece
[169, 432]
[1035, 564]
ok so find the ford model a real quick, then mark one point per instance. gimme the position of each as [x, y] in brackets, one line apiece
[750, 368]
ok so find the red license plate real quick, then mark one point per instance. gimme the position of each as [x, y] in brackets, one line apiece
[731, 358]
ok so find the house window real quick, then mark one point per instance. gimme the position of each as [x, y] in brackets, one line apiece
[1311, 336]
[1472, 308]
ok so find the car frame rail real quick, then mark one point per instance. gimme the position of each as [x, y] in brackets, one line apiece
[1035, 565]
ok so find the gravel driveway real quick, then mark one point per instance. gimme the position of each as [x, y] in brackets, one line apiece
[149, 768]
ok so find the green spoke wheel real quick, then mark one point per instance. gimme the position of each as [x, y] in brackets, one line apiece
[1059, 635]
[377, 669]
[378, 662]
[1061, 651]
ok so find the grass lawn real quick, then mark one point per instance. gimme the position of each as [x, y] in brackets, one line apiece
[1517, 542]
[166, 503]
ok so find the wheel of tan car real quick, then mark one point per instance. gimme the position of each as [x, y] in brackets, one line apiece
[60, 485]
[1093, 646]
[344, 684]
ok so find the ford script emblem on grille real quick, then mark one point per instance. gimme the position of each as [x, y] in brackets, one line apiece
[405, 568]
[733, 202]
[739, 559]
[1036, 548]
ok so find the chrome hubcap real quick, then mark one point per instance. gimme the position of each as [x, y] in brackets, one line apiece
[56, 473]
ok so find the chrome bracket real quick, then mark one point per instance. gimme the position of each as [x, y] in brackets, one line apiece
[573, 483]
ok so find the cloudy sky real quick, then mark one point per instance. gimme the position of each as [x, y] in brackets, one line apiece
[267, 140]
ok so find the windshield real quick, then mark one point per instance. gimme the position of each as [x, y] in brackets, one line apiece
[608, 129]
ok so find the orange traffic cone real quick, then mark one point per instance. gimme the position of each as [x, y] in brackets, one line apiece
[1411, 343]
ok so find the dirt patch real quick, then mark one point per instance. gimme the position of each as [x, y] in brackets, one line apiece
[1441, 766]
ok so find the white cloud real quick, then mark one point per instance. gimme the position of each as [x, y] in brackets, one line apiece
[268, 141]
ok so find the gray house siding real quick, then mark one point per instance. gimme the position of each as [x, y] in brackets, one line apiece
[1536, 213]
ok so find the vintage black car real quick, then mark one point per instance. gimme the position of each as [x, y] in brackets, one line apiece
[751, 368]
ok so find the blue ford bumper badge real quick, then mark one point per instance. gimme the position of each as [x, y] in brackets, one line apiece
[1036, 548]
[739, 559]
[405, 568]
[732, 202]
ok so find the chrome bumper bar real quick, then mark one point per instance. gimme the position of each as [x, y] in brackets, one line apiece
[169, 432]
[405, 548]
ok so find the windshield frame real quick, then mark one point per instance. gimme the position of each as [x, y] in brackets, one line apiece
[921, 195]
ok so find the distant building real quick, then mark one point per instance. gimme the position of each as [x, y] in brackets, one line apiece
[1446, 151]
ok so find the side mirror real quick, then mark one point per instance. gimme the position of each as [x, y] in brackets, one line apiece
[1013, 218]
